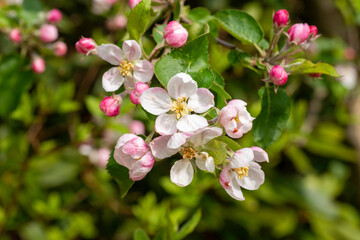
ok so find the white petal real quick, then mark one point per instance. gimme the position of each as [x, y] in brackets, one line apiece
[176, 141]
[160, 149]
[124, 139]
[182, 173]
[260, 155]
[156, 101]
[165, 124]
[112, 80]
[234, 189]
[255, 177]
[110, 53]
[141, 167]
[191, 123]
[132, 50]
[143, 71]
[181, 85]
[205, 162]
[203, 136]
[123, 159]
[237, 103]
[201, 101]
[242, 158]
[129, 82]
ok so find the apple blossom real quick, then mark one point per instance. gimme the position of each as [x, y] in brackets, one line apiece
[299, 33]
[313, 31]
[133, 3]
[235, 118]
[54, 16]
[60, 48]
[137, 127]
[133, 153]
[15, 35]
[111, 106]
[176, 106]
[136, 93]
[278, 75]
[175, 34]
[281, 18]
[243, 171]
[48, 33]
[129, 68]
[86, 45]
[38, 65]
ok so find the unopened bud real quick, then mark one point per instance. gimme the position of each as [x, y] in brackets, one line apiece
[48, 33]
[278, 75]
[38, 65]
[54, 16]
[299, 33]
[60, 48]
[136, 93]
[15, 35]
[133, 3]
[137, 127]
[313, 31]
[111, 106]
[84, 45]
[175, 34]
[281, 18]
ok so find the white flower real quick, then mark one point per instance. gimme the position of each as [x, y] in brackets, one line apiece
[129, 67]
[175, 107]
[189, 145]
[243, 171]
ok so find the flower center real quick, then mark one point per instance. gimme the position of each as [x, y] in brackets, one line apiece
[125, 68]
[188, 152]
[180, 107]
[242, 171]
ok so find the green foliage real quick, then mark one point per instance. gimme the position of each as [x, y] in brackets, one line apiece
[189, 226]
[217, 150]
[275, 111]
[301, 66]
[140, 234]
[138, 19]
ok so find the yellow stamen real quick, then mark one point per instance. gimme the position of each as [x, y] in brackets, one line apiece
[188, 153]
[125, 68]
[180, 107]
[242, 171]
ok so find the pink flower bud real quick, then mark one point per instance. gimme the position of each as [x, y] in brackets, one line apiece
[48, 33]
[349, 53]
[38, 65]
[117, 23]
[299, 33]
[315, 75]
[111, 105]
[15, 35]
[175, 34]
[278, 75]
[136, 93]
[54, 16]
[137, 127]
[60, 48]
[281, 18]
[313, 31]
[133, 3]
[84, 45]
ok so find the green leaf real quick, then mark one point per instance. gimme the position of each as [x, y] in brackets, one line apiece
[191, 59]
[275, 111]
[200, 15]
[217, 150]
[140, 234]
[196, 29]
[232, 144]
[218, 87]
[236, 57]
[189, 226]
[138, 19]
[240, 25]
[301, 66]
[158, 33]
[120, 174]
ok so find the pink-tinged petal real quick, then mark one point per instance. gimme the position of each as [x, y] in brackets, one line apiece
[142, 167]
[260, 155]
[176, 141]
[242, 158]
[191, 123]
[224, 178]
[201, 101]
[203, 136]
[124, 139]
[239, 104]
[123, 159]
[165, 124]
[160, 149]
[110, 53]
[181, 85]
[136, 147]
[129, 82]
[234, 190]
[132, 50]
[143, 71]
[227, 115]
[234, 132]
[255, 177]
[112, 80]
[182, 173]
[156, 101]
[205, 162]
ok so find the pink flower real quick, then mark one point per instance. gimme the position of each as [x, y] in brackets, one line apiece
[38, 65]
[299, 33]
[48, 33]
[136, 93]
[54, 16]
[235, 118]
[111, 106]
[281, 18]
[60, 48]
[175, 34]
[313, 31]
[133, 3]
[85, 45]
[137, 127]
[278, 75]
[133, 153]
[243, 171]
[15, 35]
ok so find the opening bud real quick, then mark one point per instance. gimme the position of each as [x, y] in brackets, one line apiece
[281, 18]
[48, 33]
[54, 16]
[278, 75]
[84, 45]
[38, 65]
[299, 33]
[111, 106]
[60, 48]
[136, 93]
[133, 3]
[15, 35]
[175, 34]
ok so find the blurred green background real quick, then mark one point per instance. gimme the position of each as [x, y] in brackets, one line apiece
[53, 184]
